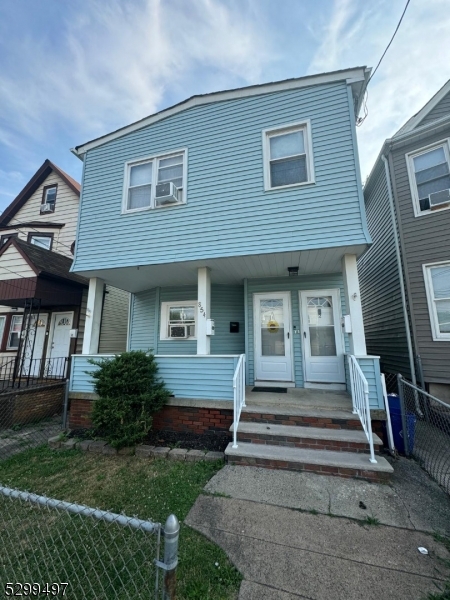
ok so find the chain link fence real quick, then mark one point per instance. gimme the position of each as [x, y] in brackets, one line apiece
[426, 430]
[69, 550]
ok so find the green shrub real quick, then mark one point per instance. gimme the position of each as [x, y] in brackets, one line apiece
[129, 393]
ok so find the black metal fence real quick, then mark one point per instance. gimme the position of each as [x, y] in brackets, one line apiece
[426, 430]
[22, 372]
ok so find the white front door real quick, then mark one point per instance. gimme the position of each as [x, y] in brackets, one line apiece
[33, 346]
[273, 341]
[322, 336]
[59, 343]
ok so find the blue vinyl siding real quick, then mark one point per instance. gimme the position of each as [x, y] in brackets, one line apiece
[292, 285]
[227, 304]
[142, 326]
[370, 366]
[227, 212]
[206, 377]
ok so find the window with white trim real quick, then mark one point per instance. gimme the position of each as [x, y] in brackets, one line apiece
[288, 156]
[178, 320]
[437, 283]
[14, 332]
[429, 178]
[155, 182]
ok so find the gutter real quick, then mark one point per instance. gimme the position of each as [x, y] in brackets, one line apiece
[400, 271]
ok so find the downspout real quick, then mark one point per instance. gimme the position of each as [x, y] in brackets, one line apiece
[400, 272]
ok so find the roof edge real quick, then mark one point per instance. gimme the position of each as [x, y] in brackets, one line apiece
[416, 119]
[351, 76]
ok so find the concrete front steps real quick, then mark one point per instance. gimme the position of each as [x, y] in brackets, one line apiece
[304, 439]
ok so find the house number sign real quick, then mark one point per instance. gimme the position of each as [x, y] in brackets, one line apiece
[201, 309]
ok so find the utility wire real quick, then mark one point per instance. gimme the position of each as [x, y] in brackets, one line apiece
[361, 120]
[19, 224]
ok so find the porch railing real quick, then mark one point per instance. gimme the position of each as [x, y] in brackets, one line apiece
[23, 372]
[360, 399]
[239, 395]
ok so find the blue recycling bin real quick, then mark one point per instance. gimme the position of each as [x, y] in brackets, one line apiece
[397, 425]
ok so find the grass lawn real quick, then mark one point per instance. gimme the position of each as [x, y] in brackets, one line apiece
[138, 488]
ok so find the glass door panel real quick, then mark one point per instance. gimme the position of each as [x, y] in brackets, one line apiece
[272, 325]
[321, 326]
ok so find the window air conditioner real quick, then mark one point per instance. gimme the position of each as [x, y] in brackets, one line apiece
[439, 199]
[45, 208]
[166, 193]
[178, 331]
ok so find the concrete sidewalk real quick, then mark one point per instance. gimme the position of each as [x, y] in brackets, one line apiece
[287, 554]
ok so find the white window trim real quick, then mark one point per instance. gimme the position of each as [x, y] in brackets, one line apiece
[412, 177]
[153, 159]
[267, 133]
[434, 321]
[8, 346]
[165, 318]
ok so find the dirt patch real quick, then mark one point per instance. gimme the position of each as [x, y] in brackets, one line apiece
[216, 442]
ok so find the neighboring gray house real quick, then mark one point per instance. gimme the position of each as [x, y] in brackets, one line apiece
[416, 163]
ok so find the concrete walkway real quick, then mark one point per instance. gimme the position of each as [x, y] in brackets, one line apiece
[285, 553]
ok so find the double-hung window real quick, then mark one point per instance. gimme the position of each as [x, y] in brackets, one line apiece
[155, 182]
[178, 320]
[288, 157]
[437, 283]
[49, 198]
[14, 332]
[429, 176]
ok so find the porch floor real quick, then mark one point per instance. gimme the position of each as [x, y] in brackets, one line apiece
[300, 398]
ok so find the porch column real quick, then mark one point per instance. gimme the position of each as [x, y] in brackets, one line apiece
[93, 316]
[203, 309]
[354, 309]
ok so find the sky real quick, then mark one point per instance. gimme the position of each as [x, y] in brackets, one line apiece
[72, 71]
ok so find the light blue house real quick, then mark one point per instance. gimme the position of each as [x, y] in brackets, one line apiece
[235, 220]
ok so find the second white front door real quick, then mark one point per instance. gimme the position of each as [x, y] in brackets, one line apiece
[59, 343]
[273, 337]
[322, 337]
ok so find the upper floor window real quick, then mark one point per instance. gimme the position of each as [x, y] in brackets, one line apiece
[49, 199]
[429, 177]
[43, 240]
[437, 284]
[288, 157]
[155, 182]
[5, 238]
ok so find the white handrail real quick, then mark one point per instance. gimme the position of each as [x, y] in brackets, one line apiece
[239, 395]
[360, 400]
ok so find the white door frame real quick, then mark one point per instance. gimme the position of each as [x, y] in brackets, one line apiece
[52, 331]
[335, 293]
[288, 330]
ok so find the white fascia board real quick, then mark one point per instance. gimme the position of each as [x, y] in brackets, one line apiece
[350, 76]
[423, 112]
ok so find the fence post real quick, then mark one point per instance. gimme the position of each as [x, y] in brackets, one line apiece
[66, 404]
[403, 410]
[171, 536]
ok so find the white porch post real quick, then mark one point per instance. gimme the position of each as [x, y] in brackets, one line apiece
[354, 309]
[203, 309]
[93, 316]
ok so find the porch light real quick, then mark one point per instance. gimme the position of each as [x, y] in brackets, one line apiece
[293, 271]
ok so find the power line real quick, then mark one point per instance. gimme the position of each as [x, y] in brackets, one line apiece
[19, 224]
[361, 120]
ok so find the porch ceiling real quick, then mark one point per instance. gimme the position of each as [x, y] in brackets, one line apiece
[226, 270]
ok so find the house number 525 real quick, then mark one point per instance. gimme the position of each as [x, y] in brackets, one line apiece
[201, 309]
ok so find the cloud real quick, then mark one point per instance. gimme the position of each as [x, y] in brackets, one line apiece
[414, 68]
[116, 62]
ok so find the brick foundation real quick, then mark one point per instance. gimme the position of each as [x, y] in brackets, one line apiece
[192, 419]
[80, 413]
[171, 418]
[31, 404]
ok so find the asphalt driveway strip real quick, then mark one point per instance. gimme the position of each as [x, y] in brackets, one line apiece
[284, 552]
